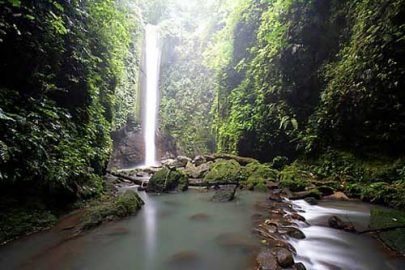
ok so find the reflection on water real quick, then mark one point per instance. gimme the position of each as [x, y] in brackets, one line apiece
[188, 231]
[150, 231]
[327, 248]
[176, 231]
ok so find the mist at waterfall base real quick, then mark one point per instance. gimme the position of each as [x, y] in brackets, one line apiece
[150, 106]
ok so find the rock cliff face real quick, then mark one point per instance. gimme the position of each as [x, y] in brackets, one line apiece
[128, 147]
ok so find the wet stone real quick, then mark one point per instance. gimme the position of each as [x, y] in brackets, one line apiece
[267, 261]
[311, 200]
[284, 257]
[337, 223]
[299, 266]
[224, 195]
[295, 233]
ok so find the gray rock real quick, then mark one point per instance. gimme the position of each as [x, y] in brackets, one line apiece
[284, 257]
[311, 200]
[299, 266]
[336, 223]
[198, 160]
[267, 261]
[295, 233]
[225, 194]
[197, 171]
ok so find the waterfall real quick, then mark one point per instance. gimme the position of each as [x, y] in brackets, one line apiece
[152, 61]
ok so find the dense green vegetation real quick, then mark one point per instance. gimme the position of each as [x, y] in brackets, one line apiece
[319, 81]
[313, 88]
[313, 74]
[68, 74]
[64, 67]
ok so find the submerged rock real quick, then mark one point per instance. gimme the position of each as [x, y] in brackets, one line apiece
[200, 217]
[267, 261]
[166, 180]
[184, 257]
[238, 241]
[225, 194]
[337, 223]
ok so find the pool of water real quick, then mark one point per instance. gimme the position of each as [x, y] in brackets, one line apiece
[173, 231]
[327, 248]
[188, 231]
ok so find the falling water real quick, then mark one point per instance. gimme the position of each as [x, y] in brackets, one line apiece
[152, 55]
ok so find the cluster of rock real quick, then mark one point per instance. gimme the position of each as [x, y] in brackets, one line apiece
[221, 170]
[277, 223]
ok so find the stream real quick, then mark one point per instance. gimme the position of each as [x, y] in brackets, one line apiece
[188, 231]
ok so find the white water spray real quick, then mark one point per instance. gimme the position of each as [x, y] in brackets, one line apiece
[152, 55]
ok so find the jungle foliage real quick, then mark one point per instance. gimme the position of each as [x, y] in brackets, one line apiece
[68, 73]
[305, 75]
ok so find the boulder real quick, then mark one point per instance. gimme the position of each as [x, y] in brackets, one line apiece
[241, 160]
[198, 160]
[307, 193]
[224, 194]
[337, 223]
[340, 196]
[284, 257]
[178, 162]
[299, 266]
[311, 200]
[196, 172]
[181, 161]
[267, 261]
[166, 180]
[295, 233]
[224, 171]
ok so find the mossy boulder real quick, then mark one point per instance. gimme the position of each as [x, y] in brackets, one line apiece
[225, 171]
[257, 175]
[295, 178]
[166, 180]
[241, 160]
[112, 209]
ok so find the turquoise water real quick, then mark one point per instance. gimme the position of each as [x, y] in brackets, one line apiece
[188, 231]
[174, 231]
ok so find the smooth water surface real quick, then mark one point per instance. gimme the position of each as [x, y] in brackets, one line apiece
[175, 231]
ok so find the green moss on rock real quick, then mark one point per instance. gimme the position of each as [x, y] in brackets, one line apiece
[225, 171]
[166, 180]
[294, 178]
[124, 205]
[256, 175]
